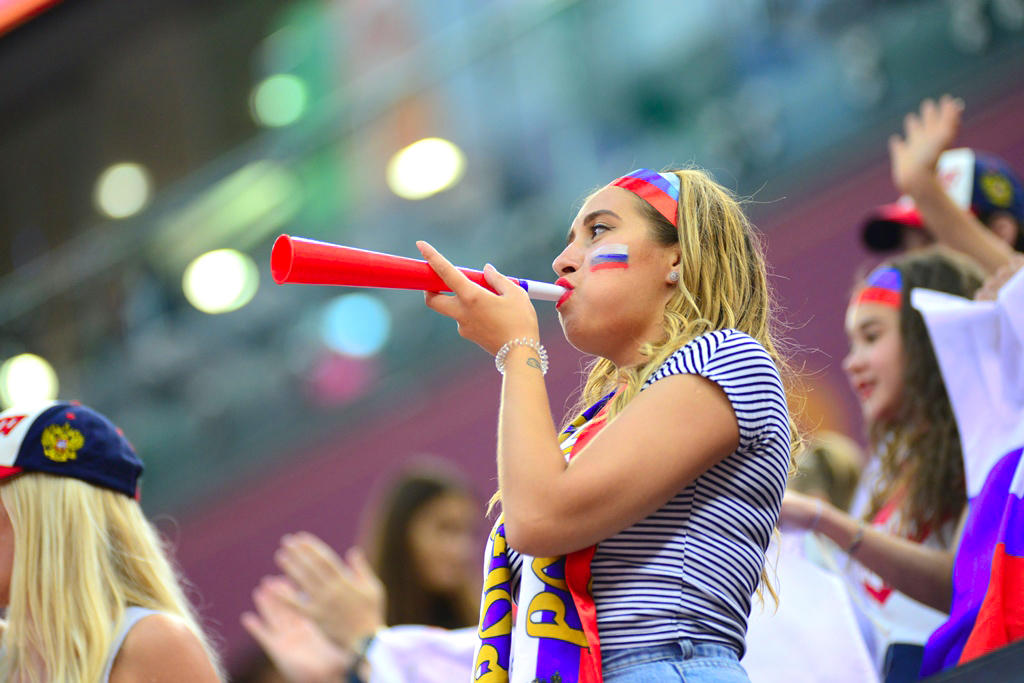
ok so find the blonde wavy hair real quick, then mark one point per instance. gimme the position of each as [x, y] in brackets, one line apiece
[82, 554]
[723, 284]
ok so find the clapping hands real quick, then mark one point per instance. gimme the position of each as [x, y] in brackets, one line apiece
[296, 645]
[343, 597]
[314, 621]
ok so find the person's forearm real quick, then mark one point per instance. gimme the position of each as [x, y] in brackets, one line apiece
[529, 459]
[955, 227]
[924, 574]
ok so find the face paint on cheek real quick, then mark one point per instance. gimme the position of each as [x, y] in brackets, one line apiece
[608, 256]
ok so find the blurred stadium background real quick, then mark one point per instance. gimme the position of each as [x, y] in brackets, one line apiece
[139, 141]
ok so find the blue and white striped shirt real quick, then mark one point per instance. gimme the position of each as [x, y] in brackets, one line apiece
[690, 569]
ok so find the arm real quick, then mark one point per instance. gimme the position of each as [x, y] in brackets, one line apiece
[914, 156]
[627, 472]
[989, 291]
[924, 574]
[162, 649]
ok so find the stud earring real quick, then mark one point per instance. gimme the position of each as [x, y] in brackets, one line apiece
[673, 276]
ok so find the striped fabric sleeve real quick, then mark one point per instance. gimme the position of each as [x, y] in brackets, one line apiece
[745, 371]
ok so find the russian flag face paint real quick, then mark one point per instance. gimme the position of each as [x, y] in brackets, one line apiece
[609, 256]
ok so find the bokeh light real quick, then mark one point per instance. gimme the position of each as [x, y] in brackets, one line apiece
[335, 379]
[425, 168]
[220, 281]
[122, 190]
[356, 325]
[27, 378]
[279, 100]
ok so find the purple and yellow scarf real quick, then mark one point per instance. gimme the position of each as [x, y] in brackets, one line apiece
[554, 636]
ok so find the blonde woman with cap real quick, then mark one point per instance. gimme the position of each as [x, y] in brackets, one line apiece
[89, 590]
[633, 542]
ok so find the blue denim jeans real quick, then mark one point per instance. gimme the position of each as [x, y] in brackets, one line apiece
[685, 660]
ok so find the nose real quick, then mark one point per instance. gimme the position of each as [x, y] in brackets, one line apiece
[566, 262]
[853, 362]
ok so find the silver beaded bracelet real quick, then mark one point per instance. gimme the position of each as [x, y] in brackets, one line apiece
[499, 358]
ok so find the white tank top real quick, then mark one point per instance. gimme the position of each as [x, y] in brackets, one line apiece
[132, 615]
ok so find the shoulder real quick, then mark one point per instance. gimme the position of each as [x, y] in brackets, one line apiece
[161, 647]
[748, 377]
[716, 353]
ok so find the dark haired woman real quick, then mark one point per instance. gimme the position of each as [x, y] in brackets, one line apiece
[904, 546]
[426, 551]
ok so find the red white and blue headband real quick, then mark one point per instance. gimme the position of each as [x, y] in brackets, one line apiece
[660, 190]
[883, 286]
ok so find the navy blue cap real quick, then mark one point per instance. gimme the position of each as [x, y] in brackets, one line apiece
[996, 188]
[68, 440]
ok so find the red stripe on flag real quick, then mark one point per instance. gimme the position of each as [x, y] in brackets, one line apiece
[653, 195]
[577, 577]
[878, 295]
[609, 265]
[1000, 620]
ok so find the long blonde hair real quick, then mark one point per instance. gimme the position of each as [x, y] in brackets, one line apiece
[723, 284]
[82, 554]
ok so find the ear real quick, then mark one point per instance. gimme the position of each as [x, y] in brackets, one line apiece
[675, 256]
[1005, 227]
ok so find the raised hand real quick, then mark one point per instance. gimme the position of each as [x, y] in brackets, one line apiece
[487, 319]
[926, 134]
[298, 648]
[343, 597]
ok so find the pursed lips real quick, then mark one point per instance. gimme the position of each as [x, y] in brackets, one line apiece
[562, 282]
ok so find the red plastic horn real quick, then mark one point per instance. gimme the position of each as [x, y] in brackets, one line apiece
[309, 262]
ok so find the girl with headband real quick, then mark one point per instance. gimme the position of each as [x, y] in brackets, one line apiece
[89, 591]
[633, 539]
[902, 547]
